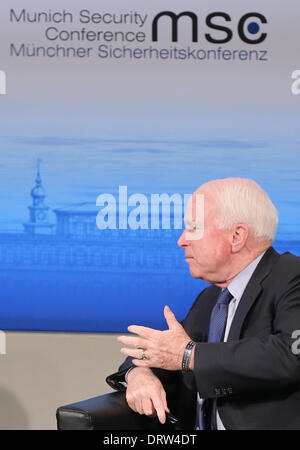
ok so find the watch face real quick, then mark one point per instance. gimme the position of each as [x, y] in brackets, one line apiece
[40, 215]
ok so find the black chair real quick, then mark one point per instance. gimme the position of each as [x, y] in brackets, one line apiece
[111, 412]
[106, 412]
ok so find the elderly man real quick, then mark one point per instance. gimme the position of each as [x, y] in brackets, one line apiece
[230, 362]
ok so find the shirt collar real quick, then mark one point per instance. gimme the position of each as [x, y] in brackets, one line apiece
[237, 286]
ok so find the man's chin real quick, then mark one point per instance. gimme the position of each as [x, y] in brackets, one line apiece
[199, 275]
[194, 271]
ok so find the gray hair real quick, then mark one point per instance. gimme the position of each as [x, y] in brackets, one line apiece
[241, 200]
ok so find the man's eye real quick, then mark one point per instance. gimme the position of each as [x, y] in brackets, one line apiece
[191, 227]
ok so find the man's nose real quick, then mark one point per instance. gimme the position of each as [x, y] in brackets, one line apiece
[182, 242]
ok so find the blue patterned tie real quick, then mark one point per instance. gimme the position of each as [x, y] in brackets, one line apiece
[217, 324]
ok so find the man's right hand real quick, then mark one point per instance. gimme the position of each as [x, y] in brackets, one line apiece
[145, 394]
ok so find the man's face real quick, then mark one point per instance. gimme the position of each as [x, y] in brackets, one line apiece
[208, 256]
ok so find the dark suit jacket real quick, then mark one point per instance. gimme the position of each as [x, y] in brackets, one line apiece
[254, 376]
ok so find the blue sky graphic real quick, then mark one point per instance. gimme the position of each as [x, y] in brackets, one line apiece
[77, 170]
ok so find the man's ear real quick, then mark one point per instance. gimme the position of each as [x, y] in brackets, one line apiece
[239, 236]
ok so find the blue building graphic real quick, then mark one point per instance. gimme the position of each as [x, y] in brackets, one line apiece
[71, 276]
[38, 211]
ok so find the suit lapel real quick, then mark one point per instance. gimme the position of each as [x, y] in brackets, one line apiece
[251, 293]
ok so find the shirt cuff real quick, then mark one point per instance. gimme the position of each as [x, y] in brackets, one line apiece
[126, 374]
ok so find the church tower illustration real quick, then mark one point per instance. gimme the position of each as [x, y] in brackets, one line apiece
[38, 211]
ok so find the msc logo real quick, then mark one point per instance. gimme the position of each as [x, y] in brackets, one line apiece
[2, 83]
[248, 27]
[295, 88]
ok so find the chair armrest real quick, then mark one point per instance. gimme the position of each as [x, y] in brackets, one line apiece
[106, 412]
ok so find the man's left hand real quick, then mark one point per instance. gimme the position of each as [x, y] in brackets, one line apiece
[163, 349]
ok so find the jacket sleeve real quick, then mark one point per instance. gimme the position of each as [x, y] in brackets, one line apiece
[253, 363]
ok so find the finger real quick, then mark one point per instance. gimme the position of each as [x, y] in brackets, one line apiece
[138, 406]
[135, 353]
[159, 407]
[142, 363]
[148, 407]
[170, 318]
[133, 341]
[164, 400]
[143, 331]
[131, 402]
